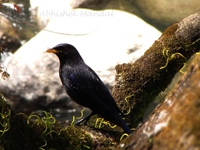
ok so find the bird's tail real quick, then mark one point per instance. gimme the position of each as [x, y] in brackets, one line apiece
[119, 121]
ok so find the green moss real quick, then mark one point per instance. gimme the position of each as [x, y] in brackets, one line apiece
[76, 137]
[41, 131]
[38, 131]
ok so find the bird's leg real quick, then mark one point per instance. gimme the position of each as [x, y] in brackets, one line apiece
[85, 119]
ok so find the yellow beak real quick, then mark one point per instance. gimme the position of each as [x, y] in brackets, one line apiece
[51, 51]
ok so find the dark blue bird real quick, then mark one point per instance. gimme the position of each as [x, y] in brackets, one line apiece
[84, 86]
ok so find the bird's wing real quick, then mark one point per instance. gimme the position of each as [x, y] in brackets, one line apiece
[86, 88]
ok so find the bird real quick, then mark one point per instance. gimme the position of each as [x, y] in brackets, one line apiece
[84, 86]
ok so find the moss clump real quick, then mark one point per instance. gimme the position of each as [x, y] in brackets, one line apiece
[36, 136]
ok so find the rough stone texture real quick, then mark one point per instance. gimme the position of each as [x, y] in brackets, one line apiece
[174, 124]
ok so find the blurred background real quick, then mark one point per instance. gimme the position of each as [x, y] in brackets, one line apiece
[105, 32]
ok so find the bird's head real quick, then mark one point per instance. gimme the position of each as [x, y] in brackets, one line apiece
[65, 52]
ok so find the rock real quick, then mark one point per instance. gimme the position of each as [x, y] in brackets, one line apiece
[163, 13]
[92, 4]
[41, 7]
[152, 11]
[103, 38]
[140, 82]
[9, 39]
[175, 122]
[123, 5]
[43, 10]
[15, 26]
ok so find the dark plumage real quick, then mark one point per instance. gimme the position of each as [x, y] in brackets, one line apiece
[84, 86]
